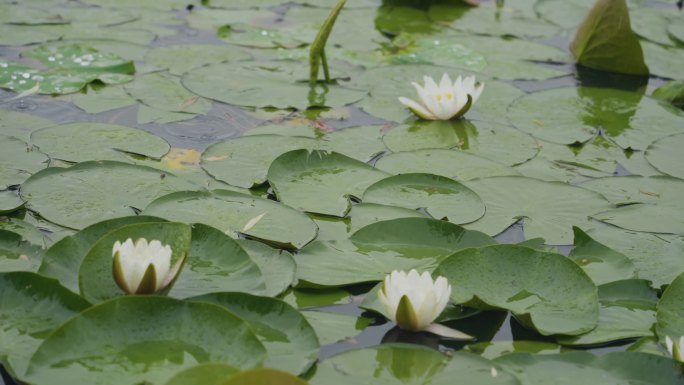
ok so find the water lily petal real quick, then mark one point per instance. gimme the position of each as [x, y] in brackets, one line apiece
[417, 109]
[448, 332]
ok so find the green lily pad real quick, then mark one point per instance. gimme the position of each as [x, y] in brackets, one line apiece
[441, 197]
[17, 254]
[95, 278]
[278, 84]
[63, 259]
[80, 142]
[179, 59]
[264, 376]
[672, 92]
[615, 368]
[335, 327]
[94, 100]
[670, 311]
[493, 141]
[395, 364]
[9, 201]
[458, 165]
[215, 263]
[627, 310]
[203, 374]
[546, 291]
[138, 339]
[28, 231]
[663, 61]
[320, 182]
[601, 263]
[18, 161]
[17, 35]
[627, 118]
[494, 349]
[20, 125]
[361, 143]
[664, 155]
[290, 342]
[641, 247]
[243, 162]
[676, 30]
[605, 41]
[652, 204]
[231, 211]
[377, 249]
[548, 209]
[70, 68]
[277, 266]
[32, 306]
[165, 93]
[360, 215]
[90, 192]
[487, 19]
[652, 24]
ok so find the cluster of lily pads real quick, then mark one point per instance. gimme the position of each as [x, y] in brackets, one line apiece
[283, 234]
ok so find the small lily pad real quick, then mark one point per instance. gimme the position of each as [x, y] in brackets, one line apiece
[441, 197]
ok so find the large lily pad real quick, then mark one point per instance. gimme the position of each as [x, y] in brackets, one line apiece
[547, 209]
[139, 339]
[244, 161]
[627, 310]
[320, 182]
[627, 118]
[90, 192]
[651, 204]
[277, 266]
[546, 291]
[615, 368]
[671, 311]
[231, 211]
[377, 249]
[441, 197]
[80, 142]
[31, 307]
[266, 84]
[179, 59]
[290, 342]
[17, 254]
[493, 141]
[19, 124]
[395, 364]
[457, 165]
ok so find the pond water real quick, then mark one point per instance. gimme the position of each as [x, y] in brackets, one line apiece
[219, 100]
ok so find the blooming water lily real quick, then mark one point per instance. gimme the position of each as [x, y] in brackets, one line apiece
[444, 101]
[675, 349]
[413, 301]
[142, 267]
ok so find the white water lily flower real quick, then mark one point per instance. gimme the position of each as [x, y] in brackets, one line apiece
[675, 349]
[413, 301]
[142, 267]
[444, 101]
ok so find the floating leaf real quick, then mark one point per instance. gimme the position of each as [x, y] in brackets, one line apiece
[671, 311]
[17, 254]
[601, 263]
[139, 339]
[80, 142]
[441, 197]
[290, 342]
[230, 211]
[31, 307]
[320, 182]
[665, 155]
[18, 161]
[90, 192]
[546, 291]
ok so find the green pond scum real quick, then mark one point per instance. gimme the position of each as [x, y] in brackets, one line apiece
[245, 169]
